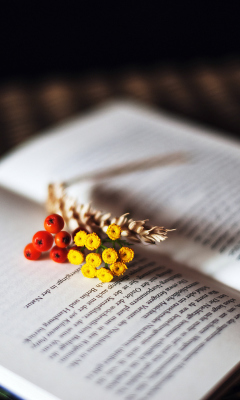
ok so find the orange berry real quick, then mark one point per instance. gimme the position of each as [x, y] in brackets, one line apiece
[42, 241]
[54, 223]
[31, 253]
[58, 254]
[62, 239]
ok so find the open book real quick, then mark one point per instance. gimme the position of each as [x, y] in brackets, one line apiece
[169, 328]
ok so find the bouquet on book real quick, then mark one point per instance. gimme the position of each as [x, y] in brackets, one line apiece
[101, 243]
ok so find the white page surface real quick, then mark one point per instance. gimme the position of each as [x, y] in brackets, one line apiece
[150, 334]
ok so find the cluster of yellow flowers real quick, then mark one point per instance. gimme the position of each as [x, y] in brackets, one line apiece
[115, 260]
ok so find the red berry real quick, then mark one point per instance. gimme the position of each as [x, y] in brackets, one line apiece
[62, 239]
[58, 254]
[54, 223]
[42, 241]
[31, 253]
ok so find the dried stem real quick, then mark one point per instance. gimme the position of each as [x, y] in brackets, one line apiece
[83, 216]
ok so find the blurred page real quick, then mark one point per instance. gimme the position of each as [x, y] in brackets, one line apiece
[198, 194]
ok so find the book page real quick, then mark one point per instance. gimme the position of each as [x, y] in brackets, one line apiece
[198, 194]
[148, 334]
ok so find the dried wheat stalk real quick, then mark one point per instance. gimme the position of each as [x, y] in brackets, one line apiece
[79, 215]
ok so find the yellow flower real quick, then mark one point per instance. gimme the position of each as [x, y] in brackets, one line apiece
[118, 268]
[92, 241]
[104, 275]
[94, 259]
[126, 254]
[109, 256]
[80, 238]
[75, 256]
[88, 271]
[114, 231]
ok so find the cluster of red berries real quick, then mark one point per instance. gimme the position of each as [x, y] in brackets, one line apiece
[43, 240]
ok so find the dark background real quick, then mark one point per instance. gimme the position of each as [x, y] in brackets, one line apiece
[50, 38]
[61, 60]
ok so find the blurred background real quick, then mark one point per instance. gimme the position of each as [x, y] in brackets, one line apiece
[61, 60]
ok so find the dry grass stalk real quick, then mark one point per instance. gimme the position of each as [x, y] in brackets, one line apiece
[83, 216]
